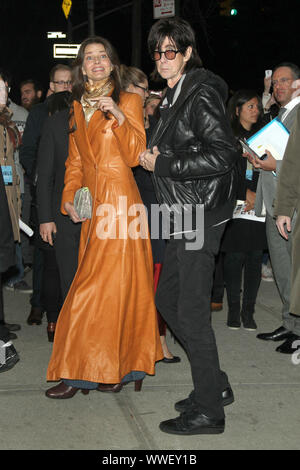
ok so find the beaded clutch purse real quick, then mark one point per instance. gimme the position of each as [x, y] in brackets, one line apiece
[83, 203]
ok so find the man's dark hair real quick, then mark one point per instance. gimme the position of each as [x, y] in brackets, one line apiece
[294, 68]
[180, 33]
[36, 84]
[6, 76]
[56, 68]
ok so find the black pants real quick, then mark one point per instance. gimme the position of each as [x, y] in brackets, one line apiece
[37, 277]
[66, 247]
[4, 333]
[234, 263]
[183, 298]
[218, 283]
[51, 289]
[1, 301]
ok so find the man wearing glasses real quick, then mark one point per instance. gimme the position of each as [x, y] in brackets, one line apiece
[192, 154]
[60, 80]
[286, 88]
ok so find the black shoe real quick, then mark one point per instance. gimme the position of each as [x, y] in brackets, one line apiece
[227, 396]
[171, 361]
[191, 423]
[10, 357]
[27, 267]
[22, 287]
[234, 316]
[278, 335]
[11, 326]
[12, 335]
[35, 316]
[184, 405]
[247, 314]
[291, 345]
[234, 324]
[249, 324]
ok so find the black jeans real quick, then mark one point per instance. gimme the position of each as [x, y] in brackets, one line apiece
[1, 301]
[37, 277]
[234, 263]
[4, 332]
[183, 298]
[218, 283]
[51, 288]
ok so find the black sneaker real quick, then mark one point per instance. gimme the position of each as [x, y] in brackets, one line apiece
[8, 356]
[248, 321]
[191, 422]
[234, 324]
[250, 325]
[11, 326]
[188, 403]
[27, 267]
[22, 287]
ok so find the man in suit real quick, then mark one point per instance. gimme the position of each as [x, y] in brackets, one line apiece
[60, 80]
[286, 86]
[8, 355]
[287, 202]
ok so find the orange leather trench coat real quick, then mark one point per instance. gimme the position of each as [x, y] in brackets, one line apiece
[107, 326]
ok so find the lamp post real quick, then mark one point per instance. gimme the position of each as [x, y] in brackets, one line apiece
[91, 17]
[136, 33]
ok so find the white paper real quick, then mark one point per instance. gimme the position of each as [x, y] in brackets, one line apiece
[240, 213]
[273, 137]
[25, 228]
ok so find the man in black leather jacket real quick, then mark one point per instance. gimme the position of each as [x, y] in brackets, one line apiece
[193, 159]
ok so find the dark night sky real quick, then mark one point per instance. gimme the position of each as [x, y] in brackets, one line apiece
[238, 48]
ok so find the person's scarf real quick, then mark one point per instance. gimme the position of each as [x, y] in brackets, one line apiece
[89, 99]
[11, 128]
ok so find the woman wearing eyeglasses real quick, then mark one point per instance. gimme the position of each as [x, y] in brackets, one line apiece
[107, 332]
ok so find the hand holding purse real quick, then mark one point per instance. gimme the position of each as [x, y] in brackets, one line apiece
[83, 203]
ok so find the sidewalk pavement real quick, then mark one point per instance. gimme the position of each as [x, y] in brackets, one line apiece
[266, 386]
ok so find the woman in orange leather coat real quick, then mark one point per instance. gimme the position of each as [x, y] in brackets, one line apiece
[107, 330]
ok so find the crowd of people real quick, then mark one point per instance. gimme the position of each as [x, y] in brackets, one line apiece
[111, 281]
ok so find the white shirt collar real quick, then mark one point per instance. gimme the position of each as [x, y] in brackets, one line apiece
[291, 104]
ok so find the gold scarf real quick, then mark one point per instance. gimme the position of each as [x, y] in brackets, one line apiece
[89, 99]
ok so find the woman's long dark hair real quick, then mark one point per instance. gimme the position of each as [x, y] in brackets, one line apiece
[78, 77]
[234, 108]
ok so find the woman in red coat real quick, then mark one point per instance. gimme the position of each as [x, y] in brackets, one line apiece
[107, 330]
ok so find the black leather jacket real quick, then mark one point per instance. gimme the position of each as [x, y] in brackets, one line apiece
[198, 152]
